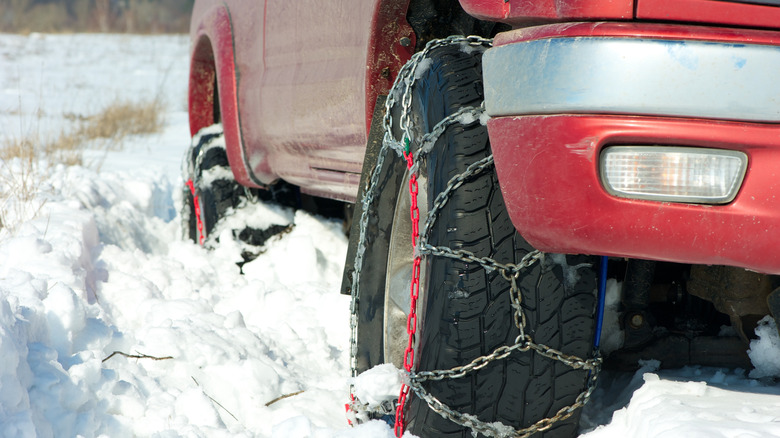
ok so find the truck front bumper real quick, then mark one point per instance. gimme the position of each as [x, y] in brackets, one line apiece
[559, 94]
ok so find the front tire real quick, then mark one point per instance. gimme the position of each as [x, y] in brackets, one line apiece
[466, 310]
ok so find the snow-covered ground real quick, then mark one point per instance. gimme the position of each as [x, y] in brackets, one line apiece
[95, 264]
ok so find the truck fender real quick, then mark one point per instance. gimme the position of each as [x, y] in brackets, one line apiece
[213, 63]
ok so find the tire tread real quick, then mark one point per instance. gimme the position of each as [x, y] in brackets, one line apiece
[459, 327]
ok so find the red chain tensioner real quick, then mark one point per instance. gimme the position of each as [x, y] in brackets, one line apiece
[350, 408]
[414, 292]
[198, 218]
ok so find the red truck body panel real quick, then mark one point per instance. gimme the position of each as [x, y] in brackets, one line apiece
[213, 64]
[568, 211]
[293, 86]
[527, 12]
[524, 12]
[709, 11]
[548, 168]
[634, 30]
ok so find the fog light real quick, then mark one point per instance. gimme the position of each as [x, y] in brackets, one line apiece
[673, 174]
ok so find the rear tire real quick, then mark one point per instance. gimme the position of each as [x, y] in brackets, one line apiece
[466, 310]
[209, 181]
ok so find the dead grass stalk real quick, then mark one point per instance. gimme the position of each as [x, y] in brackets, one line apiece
[24, 158]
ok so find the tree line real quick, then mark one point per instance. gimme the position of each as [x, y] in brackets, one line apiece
[131, 16]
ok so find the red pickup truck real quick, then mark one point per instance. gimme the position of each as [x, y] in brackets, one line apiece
[497, 161]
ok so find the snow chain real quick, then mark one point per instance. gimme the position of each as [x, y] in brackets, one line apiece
[402, 90]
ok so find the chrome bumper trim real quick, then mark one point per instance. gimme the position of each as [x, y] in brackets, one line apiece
[634, 76]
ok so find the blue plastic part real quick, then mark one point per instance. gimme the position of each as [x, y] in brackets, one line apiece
[602, 299]
[389, 419]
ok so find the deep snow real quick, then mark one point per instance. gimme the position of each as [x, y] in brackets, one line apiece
[96, 264]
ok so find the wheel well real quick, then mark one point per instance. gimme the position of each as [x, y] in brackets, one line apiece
[433, 19]
[204, 107]
[391, 35]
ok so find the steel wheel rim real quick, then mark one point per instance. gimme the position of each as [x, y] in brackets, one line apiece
[399, 274]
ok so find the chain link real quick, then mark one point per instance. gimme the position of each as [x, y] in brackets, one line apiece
[401, 86]
[194, 182]
[370, 193]
[367, 201]
[196, 211]
[402, 90]
[499, 430]
[464, 116]
[414, 293]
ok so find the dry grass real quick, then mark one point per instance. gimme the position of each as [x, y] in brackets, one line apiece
[23, 159]
[105, 130]
[122, 119]
[19, 183]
